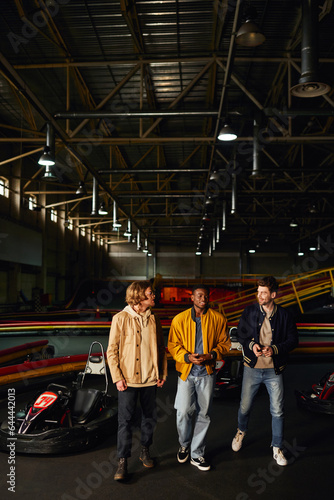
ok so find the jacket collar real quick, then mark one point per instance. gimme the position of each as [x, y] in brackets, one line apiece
[144, 317]
[272, 313]
[193, 312]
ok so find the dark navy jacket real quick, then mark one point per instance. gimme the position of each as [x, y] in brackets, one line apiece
[284, 334]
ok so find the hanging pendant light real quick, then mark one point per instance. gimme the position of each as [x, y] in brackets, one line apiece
[227, 133]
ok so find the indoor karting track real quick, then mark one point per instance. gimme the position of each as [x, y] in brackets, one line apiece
[248, 474]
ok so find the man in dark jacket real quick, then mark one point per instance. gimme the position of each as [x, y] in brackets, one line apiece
[267, 333]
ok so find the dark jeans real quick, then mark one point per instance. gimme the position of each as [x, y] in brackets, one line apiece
[127, 402]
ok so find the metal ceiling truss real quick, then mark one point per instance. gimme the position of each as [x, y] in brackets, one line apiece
[155, 152]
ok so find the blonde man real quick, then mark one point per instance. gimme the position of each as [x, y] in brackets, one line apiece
[138, 365]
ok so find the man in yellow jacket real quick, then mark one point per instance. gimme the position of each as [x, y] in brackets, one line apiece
[197, 338]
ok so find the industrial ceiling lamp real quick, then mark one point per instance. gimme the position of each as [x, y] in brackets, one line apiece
[47, 158]
[48, 174]
[81, 191]
[209, 202]
[309, 84]
[227, 133]
[293, 223]
[249, 33]
[102, 209]
[145, 249]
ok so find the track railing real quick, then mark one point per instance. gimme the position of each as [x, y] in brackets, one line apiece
[295, 291]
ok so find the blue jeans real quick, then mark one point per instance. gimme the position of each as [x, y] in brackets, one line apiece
[194, 395]
[252, 379]
[127, 403]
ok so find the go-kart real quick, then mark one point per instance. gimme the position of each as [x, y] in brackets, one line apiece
[321, 398]
[229, 370]
[65, 419]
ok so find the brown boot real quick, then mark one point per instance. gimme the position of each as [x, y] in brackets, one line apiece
[145, 457]
[122, 470]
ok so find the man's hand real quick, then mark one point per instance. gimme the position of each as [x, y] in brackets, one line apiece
[267, 351]
[199, 359]
[121, 385]
[257, 350]
[160, 382]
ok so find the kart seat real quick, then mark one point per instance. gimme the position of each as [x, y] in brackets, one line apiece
[85, 403]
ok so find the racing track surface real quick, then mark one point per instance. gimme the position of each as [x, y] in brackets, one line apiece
[248, 474]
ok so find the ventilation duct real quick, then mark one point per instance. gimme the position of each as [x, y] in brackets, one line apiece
[256, 173]
[224, 216]
[308, 85]
[234, 191]
[138, 240]
[94, 197]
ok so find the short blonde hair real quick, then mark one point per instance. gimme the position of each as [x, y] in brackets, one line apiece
[135, 292]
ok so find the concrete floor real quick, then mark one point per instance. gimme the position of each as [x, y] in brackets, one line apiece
[248, 474]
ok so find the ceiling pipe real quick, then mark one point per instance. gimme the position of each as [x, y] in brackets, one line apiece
[234, 194]
[256, 172]
[95, 196]
[298, 112]
[210, 249]
[128, 114]
[168, 227]
[152, 170]
[224, 216]
[138, 240]
[217, 231]
[161, 195]
[309, 84]
[153, 216]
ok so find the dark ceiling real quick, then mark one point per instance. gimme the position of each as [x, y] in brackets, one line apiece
[136, 93]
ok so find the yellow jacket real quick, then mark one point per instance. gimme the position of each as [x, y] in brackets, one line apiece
[182, 338]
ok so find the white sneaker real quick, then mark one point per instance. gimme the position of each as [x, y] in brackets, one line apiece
[237, 440]
[279, 456]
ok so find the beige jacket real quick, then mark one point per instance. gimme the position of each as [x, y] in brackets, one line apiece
[124, 347]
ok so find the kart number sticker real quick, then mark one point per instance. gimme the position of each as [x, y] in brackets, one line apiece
[46, 399]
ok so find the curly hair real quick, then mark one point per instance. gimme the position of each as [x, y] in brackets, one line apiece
[135, 292]
[203, 287]
[270, 282]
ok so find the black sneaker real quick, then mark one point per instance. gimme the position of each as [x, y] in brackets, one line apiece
[182, 454]
[200, 463]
